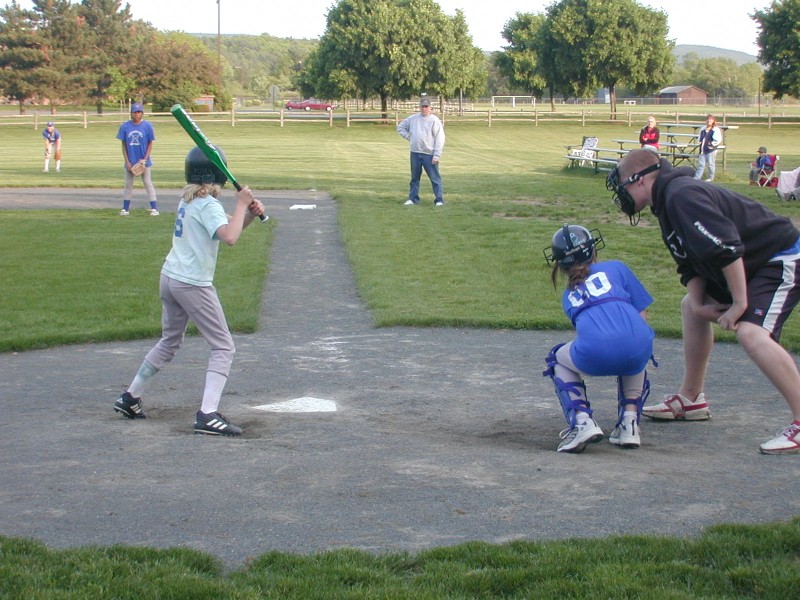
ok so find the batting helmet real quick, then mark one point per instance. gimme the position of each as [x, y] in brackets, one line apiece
[201, 170]
[573, 245]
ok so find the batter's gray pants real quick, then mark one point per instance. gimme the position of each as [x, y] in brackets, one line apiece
[181, 303]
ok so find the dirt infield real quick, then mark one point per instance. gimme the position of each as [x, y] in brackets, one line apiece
[439, 436]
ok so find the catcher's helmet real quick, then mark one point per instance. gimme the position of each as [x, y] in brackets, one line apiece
[573, 245]
[201, 170]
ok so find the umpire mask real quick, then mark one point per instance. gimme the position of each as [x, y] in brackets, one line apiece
[621, 197]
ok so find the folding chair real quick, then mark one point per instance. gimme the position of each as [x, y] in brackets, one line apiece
[768, 175]
[586, 150]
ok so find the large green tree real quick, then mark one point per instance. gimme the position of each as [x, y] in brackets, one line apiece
[174, 67]
[68, 43]
[391, 49]
[21, 54]
[114, 42]
[456, 67]
[611, 42]
[522, 61]
[59, 52]
[779, 47]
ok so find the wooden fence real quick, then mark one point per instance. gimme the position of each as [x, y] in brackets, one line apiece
[282, 118]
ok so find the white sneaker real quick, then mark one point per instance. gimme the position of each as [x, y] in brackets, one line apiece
[677, 407]
[576, 439]
[786, 442]
[409, 202]
[626, 434]
[153, 212]
[123, 213]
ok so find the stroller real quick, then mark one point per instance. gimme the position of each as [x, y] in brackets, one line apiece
[788, 182]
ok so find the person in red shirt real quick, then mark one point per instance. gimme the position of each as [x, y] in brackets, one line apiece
[649, 135]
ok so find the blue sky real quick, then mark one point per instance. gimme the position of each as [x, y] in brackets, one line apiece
[719, 23]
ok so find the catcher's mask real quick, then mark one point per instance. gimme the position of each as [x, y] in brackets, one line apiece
[621, 197]
[573, 245]
[201, 170]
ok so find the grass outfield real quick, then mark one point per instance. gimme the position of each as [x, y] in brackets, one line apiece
[478, 262]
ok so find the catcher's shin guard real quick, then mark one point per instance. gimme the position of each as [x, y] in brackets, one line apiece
[565, 390]
[639, 401]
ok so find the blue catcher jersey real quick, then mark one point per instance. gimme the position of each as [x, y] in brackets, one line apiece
[612, 337]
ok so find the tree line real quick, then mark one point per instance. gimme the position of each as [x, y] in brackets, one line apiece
[95, 52]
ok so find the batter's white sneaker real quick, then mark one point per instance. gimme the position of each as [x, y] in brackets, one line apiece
[677, 407]
[626, 434]
[123, 213]
[576, 439]
[786, 442]
[153, 212]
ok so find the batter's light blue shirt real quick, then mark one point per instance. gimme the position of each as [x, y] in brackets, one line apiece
[193, 258]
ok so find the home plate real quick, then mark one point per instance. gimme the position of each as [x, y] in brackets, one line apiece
[302, 207]
[306, 404]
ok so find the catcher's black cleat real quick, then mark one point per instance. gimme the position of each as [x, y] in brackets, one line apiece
[214, 424]
[130, 407]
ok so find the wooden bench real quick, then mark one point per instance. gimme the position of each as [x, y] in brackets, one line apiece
[597, 163]
[593, 156]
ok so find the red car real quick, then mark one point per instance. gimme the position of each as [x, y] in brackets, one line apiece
[309, 104]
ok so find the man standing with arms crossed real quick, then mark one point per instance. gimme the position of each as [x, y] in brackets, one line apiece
[137, 137]
[426, 134]
[740, 264]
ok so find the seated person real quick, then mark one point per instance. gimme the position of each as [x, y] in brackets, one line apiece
[649, 135]
[764, 161]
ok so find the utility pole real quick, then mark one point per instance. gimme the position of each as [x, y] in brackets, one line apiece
[219, 52]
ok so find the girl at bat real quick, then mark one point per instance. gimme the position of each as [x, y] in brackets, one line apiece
[187, 291]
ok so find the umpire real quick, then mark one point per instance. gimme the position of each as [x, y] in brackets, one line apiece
[740, 264]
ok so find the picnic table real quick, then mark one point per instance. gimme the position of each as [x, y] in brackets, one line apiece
[681, 145]
[677, 131]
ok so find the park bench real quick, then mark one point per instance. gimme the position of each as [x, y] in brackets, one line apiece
[589, 154]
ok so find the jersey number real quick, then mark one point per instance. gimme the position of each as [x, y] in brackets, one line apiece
[596, 285]
[179, 222]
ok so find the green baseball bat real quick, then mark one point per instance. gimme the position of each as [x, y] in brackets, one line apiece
[205, 145]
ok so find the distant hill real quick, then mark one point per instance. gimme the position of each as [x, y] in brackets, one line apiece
[740, 58]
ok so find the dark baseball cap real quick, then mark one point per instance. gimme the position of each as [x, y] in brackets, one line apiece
[424, 102]
[137, 107]
[762, 149]
[50, 124]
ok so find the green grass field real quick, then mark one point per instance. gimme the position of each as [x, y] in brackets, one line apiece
[476, 262]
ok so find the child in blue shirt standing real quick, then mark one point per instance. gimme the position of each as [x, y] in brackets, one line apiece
[606, 304]
[137, 137]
